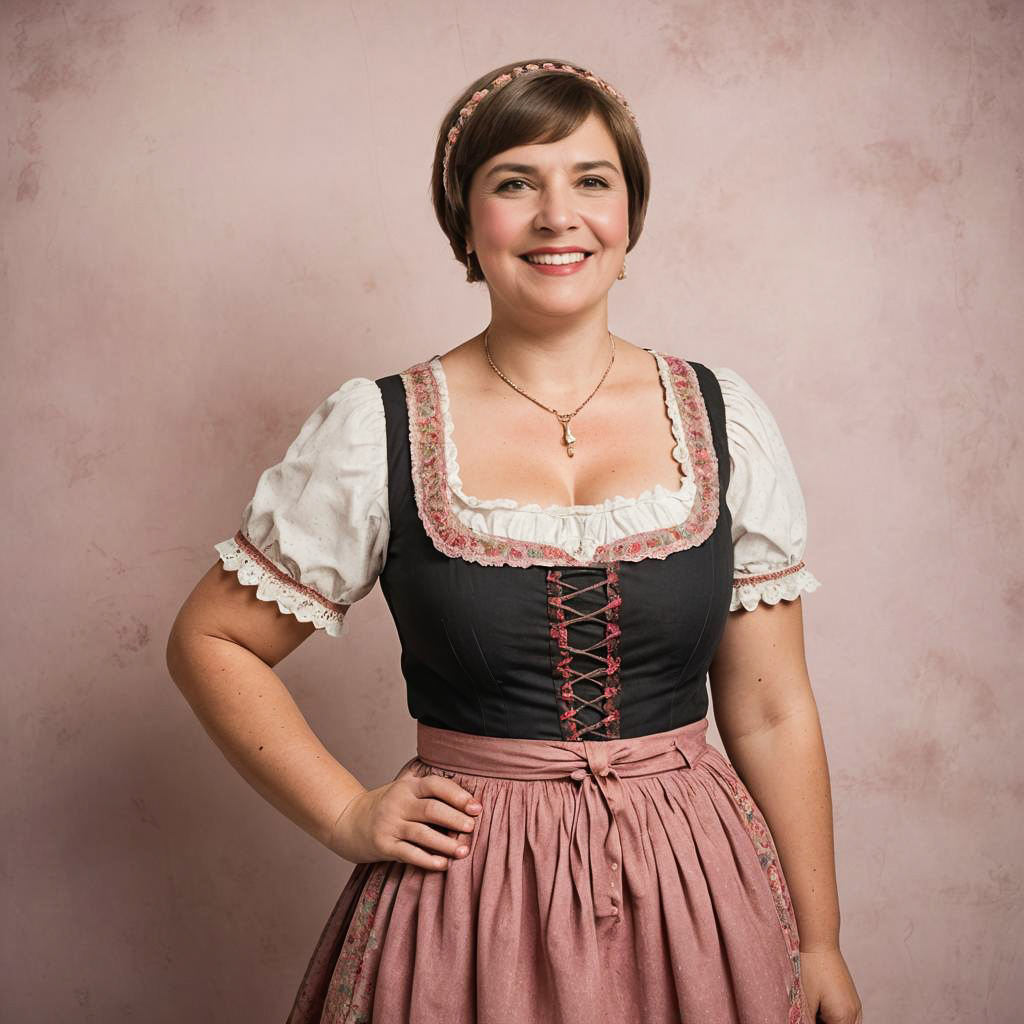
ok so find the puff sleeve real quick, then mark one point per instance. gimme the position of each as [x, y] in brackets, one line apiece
[314, 536]
[769, 519]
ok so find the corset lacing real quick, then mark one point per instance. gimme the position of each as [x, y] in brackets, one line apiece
[605, 675]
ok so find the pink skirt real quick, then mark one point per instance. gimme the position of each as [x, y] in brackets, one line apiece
[629, 880]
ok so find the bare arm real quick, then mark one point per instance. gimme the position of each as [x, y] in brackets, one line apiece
[221, 652]
[768, 720]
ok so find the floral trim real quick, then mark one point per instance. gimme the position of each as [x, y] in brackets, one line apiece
[570, 702]
[452, 537]
[240, 555]
[757, 829]
[762, 576]
[771, 587]
[350, 997]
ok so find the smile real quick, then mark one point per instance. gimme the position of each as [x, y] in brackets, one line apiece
[557, 263]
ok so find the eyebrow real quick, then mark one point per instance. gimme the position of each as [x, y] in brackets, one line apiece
[585, 165]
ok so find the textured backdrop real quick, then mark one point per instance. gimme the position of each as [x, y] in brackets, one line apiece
[213, 213]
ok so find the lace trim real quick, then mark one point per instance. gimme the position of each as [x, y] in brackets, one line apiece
[452, 537]
[241, 556]
[772, 587]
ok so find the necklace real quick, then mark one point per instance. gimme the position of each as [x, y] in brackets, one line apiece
[563, 417]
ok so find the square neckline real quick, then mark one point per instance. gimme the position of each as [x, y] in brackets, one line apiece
[453, 538]
[658, 492]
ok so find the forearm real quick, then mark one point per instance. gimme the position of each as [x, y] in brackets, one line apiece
[251, 716]
[786, 771]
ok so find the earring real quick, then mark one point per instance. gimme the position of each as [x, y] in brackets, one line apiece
[622, 272]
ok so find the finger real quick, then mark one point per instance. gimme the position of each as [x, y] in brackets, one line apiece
[432, 840]
[438, 813]
[449, 791]
[410, 854]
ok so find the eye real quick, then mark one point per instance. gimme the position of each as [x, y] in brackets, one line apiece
[513, 181]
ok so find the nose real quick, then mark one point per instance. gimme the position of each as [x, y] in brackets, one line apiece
[556, 208]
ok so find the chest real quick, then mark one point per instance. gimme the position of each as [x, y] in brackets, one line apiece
[624, 442]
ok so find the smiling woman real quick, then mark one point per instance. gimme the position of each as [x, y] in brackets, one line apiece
[534, 104]
[565, 845]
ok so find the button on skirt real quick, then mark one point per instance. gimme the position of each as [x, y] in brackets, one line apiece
[622, 880]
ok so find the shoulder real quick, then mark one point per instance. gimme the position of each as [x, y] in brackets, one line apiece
[339, 452]
[352, 412]
[352, 395]
[749, 417]
[354, 392]
[735, 387]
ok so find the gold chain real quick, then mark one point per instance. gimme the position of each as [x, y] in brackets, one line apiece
[563, 417]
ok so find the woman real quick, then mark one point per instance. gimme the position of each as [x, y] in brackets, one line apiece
[565, 846]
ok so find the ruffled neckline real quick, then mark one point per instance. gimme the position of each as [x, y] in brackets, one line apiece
[658, 493]
[652, 529]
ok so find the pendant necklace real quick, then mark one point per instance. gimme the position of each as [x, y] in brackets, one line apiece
[563, 417]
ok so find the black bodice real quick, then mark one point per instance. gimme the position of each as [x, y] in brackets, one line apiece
[618, 647]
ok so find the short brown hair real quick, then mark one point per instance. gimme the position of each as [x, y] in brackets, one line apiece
[541, 106]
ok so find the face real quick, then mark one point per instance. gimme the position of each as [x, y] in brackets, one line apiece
[549, 200]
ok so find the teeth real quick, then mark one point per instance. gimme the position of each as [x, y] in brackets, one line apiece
[557, 258]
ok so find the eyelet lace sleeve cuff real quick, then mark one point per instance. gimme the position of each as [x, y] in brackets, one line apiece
[772, 587]
[314, 536]
[238, 555]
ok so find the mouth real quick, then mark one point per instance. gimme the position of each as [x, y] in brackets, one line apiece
[555, 259]
[556, 264]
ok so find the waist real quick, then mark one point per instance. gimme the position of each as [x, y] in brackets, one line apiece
[501, 757]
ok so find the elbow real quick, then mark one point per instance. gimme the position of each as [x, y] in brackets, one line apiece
[181, 652]
[174, 654]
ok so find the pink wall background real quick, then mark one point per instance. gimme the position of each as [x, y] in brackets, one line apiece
[214, 213]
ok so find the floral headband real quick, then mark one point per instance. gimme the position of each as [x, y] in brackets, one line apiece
[466, 112]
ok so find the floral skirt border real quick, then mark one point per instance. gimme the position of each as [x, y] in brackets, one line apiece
[350, 942]
[760, 836]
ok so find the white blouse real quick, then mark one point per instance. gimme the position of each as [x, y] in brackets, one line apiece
[314, 536]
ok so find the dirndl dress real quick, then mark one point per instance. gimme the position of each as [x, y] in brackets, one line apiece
[620, 871]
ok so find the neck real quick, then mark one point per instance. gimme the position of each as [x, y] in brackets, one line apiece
[558, 364]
